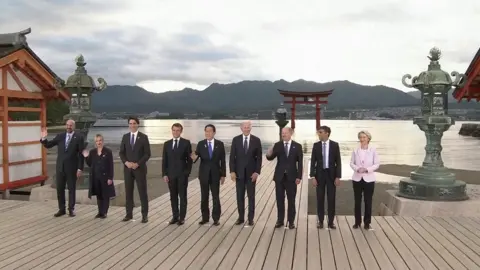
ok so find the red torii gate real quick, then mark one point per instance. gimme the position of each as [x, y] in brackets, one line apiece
[317, 98]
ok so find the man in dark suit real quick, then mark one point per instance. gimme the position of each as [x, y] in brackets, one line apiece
[69, 167]
[325, 171]
[176, 167]
[134, 153]
[245, 165]
[212, 173]
[287, 175]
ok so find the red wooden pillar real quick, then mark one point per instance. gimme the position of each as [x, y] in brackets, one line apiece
[293, 113]
[317, 112]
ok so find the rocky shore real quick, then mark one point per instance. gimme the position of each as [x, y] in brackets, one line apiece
[470, 129]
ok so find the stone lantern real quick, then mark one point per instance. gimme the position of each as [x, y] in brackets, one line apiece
[432, 181]
[281, 116]
[81, 87]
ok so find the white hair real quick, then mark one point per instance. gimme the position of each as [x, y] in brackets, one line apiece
[366, 133]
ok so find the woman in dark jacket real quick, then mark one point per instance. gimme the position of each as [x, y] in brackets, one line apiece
[100, 161]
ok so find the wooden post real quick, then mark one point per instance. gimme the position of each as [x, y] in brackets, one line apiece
[293, 112]
[5, 160]
[317, 112]
[43, 121]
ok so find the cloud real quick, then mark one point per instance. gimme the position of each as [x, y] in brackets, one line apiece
[164, 43]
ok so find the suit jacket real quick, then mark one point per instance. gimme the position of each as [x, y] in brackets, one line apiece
[140, 153]
[214, 167]
[292, 165]
[104, 164]
[367, 159]
[176, 163]
[250, 162]
[334, 160]
[71, 159]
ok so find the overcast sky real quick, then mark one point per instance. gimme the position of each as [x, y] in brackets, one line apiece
[166, 45]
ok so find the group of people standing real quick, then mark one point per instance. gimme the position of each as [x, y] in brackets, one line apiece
[245, 164]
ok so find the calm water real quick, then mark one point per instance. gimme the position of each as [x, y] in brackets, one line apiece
[398, 142]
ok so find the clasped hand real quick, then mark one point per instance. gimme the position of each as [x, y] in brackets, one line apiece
[362, 170]
[131, 165]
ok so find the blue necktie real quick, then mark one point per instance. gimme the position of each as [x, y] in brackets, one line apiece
[324, 154]
[210, 150]
[68, 141]
[132, 140]
[286, 149]
[245, 145]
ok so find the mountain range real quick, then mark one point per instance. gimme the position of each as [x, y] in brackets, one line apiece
[245, 96]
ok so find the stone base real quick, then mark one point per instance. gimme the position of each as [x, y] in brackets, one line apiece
[47, 193]
[396, 205]
[420, 190]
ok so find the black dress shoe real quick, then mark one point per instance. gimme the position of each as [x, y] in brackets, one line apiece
[60, 213]
[181, 222]
[71, 213]
[239, 222]
[332, 226]
[216, 223]
[356, 226]
[144, 219]
[103, 216]
[291, 225]
[279, 225]
[203, 222]
[127, 219]
[250, 223]
[173, 221]
[98, 215]
[367, 227]
[320, 225]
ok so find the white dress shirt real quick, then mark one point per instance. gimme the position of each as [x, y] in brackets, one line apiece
[327, 153]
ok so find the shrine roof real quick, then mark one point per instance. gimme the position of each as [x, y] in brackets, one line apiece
[12, 42]
[471, 89]
[305, 93]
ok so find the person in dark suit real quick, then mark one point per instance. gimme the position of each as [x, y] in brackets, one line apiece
[288, 174]
[134, 153]
[69, 167]
[176, 168]
[245, 166]
[100, 160]
[325, 172]
[212, 173]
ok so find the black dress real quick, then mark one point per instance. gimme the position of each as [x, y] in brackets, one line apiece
[98, 178]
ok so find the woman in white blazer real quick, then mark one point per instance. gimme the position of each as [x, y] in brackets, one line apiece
[364, 163]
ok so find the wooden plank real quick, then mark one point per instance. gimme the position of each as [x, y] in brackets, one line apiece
[467, 223]
[160, 214]
[435, 257]
[452, 237]
[380, 255]
[364, 249]
[463, 234]
[238, 247]
[233, 236]
[462, 258]
[95, 238]
[403, 250]
[314, 261]
[338, 248]
[326, 249]
[301, 240]
[353, 254]
[419, 254]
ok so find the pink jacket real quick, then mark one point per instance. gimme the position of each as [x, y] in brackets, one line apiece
[367, 159]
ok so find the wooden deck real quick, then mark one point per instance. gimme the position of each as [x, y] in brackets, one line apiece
[30, 238]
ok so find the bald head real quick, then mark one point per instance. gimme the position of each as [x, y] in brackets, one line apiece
[70, 125]
[246, 127]
[287, 133]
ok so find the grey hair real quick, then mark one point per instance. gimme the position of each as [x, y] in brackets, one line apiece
[99, 135]
[366, 133]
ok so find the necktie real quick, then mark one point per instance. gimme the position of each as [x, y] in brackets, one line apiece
[69, 136]
[132, 140]
[210, 150]
[324, 154]
[286, 149]
[245, 145]
[175, 145]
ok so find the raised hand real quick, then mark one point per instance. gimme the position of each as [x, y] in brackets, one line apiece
[44, 133]
[270, 151]
[85, 153]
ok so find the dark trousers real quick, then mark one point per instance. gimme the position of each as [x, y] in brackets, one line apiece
[178, 190]
[207, 186]
[290, 188]
[103, 205]
[365, 188]
[241, 185]
[326, 182]
[64, 180]
[131, 176]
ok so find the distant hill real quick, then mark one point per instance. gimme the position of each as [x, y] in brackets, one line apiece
[244, 95]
